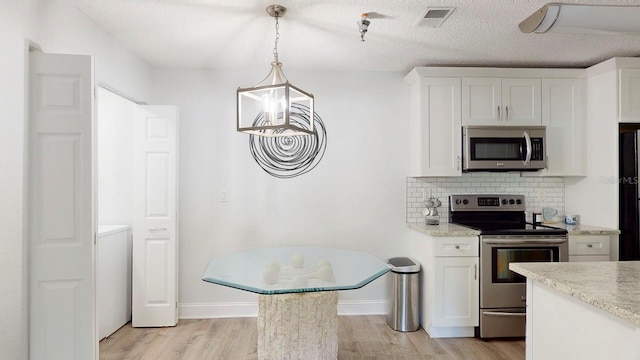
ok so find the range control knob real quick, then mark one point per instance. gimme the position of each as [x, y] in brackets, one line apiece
[465, 201]
[504, 201]
[511, 202]
[519, 202]
[458, 201]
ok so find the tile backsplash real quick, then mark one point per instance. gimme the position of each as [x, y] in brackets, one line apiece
[539, 192]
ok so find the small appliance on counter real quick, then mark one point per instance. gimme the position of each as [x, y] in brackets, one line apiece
[571, 219]
[431, 216]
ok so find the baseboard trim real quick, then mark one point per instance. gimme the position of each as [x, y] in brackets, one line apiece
[250, 309]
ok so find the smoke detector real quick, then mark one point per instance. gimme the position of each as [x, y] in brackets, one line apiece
[435, 16]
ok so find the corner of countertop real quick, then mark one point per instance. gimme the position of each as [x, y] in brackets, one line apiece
[584, 229]
[443, 229]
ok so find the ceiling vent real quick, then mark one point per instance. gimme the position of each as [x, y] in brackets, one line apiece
[435, 16]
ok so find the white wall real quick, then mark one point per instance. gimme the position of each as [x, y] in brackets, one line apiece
[58, 28]
[600, 207]
[354, 199]
[115, 163]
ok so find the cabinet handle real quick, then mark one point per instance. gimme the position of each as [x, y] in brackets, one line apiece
[475, 271]
[457, 246]
[498, 113]
[506, 118]
[589, 245]
[458, 166]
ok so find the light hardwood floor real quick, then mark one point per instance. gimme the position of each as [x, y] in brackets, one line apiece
[360, 338]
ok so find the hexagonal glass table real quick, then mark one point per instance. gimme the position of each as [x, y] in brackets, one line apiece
[297, 307]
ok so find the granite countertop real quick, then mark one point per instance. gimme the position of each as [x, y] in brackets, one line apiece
[444, 229]
[449, 229]
[582, 229]
[611, 286]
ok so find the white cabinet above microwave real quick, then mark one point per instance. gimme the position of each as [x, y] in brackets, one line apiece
[438, 112]
[501, 101]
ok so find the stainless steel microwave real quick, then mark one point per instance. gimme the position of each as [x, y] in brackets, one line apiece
[503, 148]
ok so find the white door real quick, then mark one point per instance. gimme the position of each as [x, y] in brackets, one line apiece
[60, 208]
[562, 114]
[481, 101]
[439, 128]
[457, 291]
[155, 247]
[521, 102]
[629, 95]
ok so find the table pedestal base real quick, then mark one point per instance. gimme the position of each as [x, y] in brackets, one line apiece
[298, 326]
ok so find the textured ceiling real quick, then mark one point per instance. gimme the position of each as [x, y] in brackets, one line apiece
[323, 35]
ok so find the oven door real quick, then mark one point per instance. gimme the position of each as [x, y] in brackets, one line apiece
[501, 287]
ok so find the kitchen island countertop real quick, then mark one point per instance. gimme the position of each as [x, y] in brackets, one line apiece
[611, 286]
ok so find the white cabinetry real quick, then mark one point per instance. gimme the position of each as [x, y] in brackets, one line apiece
[496, 101]
[113, 295]
[435, 134]
[563, 116]
[629, 95]
[456, 291]
[589, 248]
[449, 284]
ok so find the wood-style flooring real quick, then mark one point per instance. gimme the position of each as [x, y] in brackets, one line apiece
[360, 338]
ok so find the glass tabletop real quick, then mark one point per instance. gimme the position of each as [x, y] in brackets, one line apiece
[295, 269]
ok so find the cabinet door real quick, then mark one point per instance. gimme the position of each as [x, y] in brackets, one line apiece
[562, 114]
[521, 102]
[456, 291]
[629, 95]
[481, 101]
[436, 133]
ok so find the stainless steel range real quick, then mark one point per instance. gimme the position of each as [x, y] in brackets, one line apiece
[505, 237]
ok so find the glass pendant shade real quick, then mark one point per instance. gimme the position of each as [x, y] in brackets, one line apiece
[268, 109]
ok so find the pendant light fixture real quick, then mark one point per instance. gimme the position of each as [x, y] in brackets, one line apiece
[267, 109]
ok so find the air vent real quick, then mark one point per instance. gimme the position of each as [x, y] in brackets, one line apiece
[435, 16]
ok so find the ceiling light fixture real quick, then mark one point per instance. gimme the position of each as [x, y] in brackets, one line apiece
[363, 25]
[265, 109]
[575, 18]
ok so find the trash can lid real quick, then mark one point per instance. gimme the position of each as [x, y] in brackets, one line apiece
[404, 265]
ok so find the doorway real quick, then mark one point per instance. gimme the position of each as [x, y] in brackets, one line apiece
[63, 211]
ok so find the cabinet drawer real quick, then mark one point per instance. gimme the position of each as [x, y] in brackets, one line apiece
[456, 246]
[588, 258]
[589, 245]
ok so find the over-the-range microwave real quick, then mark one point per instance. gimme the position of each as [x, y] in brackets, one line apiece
[503, 148]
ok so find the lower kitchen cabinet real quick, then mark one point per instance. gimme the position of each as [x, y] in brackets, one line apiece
[456, 291]
[589, 248]
[449, 284]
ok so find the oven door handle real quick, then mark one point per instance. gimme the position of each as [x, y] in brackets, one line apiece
[504, 314]
[520, 242]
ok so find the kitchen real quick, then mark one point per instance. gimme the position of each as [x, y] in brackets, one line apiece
[365, 210]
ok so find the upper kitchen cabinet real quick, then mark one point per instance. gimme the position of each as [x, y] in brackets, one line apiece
[435, 127]
[629, 95]
[501, 101]
[563, 115]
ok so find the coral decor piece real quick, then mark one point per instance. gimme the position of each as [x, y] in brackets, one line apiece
[289, 156]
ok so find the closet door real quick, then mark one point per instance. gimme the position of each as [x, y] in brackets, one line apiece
[155, 243]
[60, 208]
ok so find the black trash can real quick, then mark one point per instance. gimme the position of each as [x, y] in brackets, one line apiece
[404, 287]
